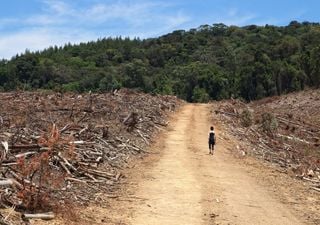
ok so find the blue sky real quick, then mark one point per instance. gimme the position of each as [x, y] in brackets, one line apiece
[37, 24]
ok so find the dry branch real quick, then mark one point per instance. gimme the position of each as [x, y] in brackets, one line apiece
[44, 216]
[98, 134]
[293, 144]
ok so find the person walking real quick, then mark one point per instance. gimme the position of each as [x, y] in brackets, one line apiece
[212, 140]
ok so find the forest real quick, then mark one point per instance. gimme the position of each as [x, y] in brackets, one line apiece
[211, 62]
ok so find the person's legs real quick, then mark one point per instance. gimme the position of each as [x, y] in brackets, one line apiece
[211, 147]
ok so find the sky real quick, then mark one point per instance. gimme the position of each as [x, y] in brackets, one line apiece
[39, 24]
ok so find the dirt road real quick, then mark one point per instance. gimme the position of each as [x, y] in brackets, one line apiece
[179, 183]
[189, 186]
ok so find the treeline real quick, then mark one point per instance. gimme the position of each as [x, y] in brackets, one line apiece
[210, 62]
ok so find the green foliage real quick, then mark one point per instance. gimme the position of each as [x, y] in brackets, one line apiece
[315, 66]
[200, 95]
[71, 87]
[109, 83]
[210, 62]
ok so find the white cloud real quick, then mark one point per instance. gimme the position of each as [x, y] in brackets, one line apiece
[234, 17]
[232, 12]
[177, 20]
[60, 22]
[135, 14]
[131, 13]
[39, 39]
[239, 20]
[57, 7]
[43, 20]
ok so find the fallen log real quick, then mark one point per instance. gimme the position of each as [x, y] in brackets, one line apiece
[225, 113]
[3, 222]
[22, 180]
[161, 124]
[311, 180]
[316, 189]
[29, 146]
[66, 162]
[298, 124]
[143, 138]
[65, 168]
[84, 140]
[100, 173]
[43, 216]
[25, 154]
[293, 138]
[75, 179]
[5, 145]
[8, 182]
[131, 119]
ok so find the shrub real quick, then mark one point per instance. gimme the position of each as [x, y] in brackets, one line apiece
[246, 118]
[269, 123]
[200, 95]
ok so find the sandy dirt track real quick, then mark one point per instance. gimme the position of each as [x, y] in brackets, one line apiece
[189, 186]
[179, 183]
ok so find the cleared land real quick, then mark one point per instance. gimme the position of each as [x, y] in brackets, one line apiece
[179, 182]
[183, 184]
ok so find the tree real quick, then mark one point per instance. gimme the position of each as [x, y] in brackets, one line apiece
[109, 82]
[134, 73]
[216, 61]
[25, 67]
[315, 66]
[3, 72]
[200, 95]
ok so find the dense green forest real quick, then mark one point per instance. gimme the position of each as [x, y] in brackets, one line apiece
[210, 62]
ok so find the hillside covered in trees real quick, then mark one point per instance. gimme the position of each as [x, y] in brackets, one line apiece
[210, 62]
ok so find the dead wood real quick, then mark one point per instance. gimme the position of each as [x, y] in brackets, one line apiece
[96, 136]
[293, 143]
[44, 216]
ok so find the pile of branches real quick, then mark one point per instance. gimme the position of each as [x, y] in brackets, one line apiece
[58, 147]
[282, 130]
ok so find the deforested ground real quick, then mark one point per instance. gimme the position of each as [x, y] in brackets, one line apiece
[130, 158]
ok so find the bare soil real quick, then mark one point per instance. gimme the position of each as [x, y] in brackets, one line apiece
[180, 183]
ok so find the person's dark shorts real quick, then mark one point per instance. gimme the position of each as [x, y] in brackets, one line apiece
[211, 143]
